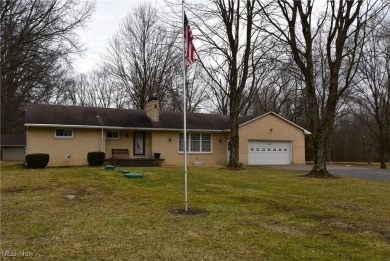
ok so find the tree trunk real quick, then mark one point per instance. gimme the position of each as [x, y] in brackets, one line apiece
[320, 154]
[382, 152]
[234, 159]
[321, 126]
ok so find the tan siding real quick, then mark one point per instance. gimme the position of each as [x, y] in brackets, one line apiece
[125, 141]
[43, 140]
[169, 149]
[281, 131]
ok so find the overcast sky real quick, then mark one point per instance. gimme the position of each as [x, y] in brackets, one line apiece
[102, 26]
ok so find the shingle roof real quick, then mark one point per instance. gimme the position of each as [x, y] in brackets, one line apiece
[58, 115]
[13, 140]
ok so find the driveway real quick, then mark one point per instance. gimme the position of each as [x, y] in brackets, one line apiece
[343, 171]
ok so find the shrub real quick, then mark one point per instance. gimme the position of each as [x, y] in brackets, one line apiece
[37, 160]
[96, 158]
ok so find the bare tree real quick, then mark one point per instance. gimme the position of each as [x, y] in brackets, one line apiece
[280, 90]
[373, 86]
[196, 91]
[37, 37]
[109, 93]
[218, 93]
[231, 55]
[143, 56]
[77, 92]
[98, 88]
[343, 23]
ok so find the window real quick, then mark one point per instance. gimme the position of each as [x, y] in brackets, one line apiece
[262, 149]
[64, 133]
[206, 142]
[112, 135]
[196, 142]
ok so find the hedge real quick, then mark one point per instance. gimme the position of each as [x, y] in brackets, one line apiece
[37, 160]
[96, 158]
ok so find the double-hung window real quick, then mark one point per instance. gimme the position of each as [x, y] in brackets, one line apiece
[112, 135]
[196, 142]
[64, 133]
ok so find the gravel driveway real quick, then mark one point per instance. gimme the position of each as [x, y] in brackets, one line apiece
[343, 171]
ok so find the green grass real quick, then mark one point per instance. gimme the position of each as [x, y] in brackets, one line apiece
[254, 214]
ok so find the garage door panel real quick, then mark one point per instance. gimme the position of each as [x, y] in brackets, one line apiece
[269, 153]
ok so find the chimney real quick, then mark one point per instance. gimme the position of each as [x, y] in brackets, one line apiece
[153, 110]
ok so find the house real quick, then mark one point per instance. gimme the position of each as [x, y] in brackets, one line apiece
[13, 147]
[68, 133]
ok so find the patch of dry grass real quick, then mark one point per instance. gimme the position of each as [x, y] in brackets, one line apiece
[253, 214]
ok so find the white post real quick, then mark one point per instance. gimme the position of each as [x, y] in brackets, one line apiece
[184, 114]
[102, 141]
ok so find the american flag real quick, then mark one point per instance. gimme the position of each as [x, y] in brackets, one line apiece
[190, 49]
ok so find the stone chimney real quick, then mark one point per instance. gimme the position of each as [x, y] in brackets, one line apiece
[153, 110]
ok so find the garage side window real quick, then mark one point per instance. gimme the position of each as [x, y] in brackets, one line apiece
[64, 133]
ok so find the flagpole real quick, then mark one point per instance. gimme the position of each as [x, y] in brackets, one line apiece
[184, 114]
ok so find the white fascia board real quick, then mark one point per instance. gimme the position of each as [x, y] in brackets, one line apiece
[115, 128]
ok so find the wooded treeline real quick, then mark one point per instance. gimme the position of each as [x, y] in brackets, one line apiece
[323, 65]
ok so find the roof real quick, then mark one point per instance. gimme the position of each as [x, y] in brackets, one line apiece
[76, 116]
[59, 115]
[13, 140]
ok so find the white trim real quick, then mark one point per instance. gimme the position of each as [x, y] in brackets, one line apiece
[189, 144]
[63, 137]
[275, 114]
[110, 138]
[116, 128]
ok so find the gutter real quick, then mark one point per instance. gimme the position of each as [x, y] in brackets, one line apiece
[116, 127]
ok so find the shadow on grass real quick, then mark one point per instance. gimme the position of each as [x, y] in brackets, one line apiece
[190, 211]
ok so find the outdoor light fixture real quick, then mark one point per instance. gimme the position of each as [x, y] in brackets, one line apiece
[169, 139]
[220, 140]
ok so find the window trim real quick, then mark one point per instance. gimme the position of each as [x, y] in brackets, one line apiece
[63, 137]
[200, 143]
[112, 138]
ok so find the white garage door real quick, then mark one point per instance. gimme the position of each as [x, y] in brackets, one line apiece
[269, 153]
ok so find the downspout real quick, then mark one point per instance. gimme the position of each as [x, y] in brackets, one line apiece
[26, 148]
[102, 141]
[101, 147]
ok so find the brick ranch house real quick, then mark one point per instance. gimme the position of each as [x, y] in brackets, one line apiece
[68, 133]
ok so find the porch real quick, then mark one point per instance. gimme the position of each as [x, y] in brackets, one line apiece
[136, 162]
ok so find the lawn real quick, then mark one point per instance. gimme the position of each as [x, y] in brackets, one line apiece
[255, 214]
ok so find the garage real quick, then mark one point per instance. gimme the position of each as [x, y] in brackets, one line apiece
[269, 153]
